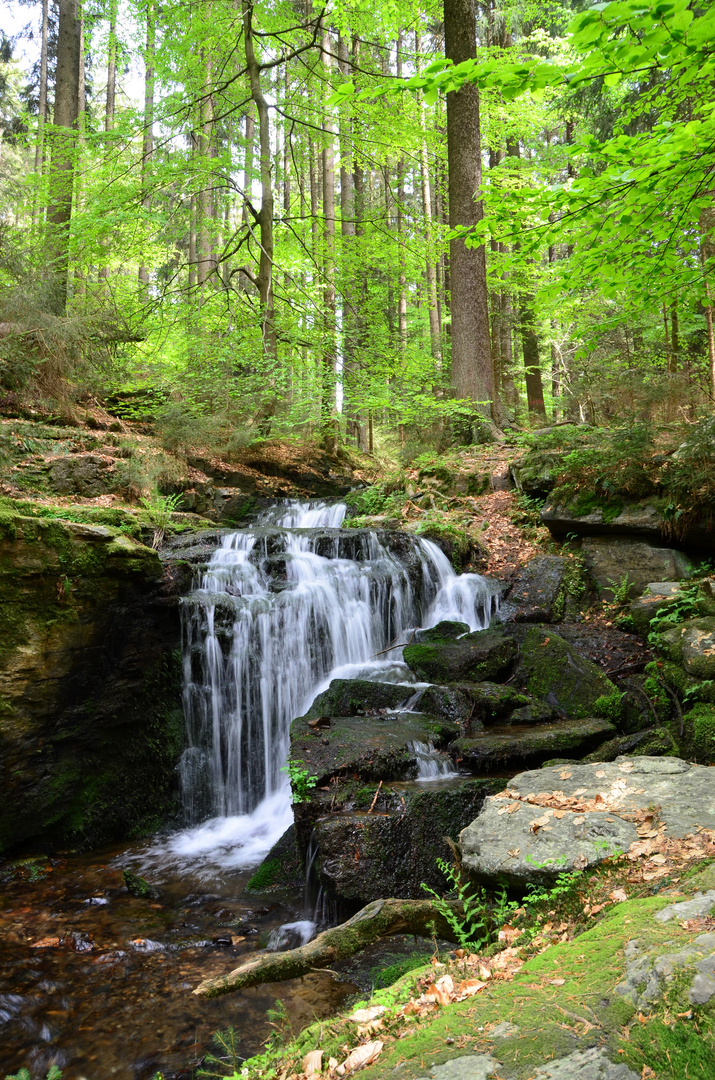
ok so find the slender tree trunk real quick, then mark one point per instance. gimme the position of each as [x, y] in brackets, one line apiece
[675, 333]
[327, 404]
[265, 268]
[530, 346]
[430, 267]
[80, 284]
[206, 257]
[148, 136]
[109, 107]
[471, 348]
[41, 116]
[348, 230]
[402, 276]
[64, 141]
[666, 340]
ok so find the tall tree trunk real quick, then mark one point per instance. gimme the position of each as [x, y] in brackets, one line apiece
[430, 267]
[64, 139]
[265, 217]
[41, 115]
[530, 346]
[327, 402]
[471, 347]
[347, 230]
[148, 135]
[109, 107]
[206, 258]
[402, 277]
[80, 284]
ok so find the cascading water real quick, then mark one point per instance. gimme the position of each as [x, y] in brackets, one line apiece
[283, 608]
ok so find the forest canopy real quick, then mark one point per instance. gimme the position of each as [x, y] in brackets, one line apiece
[402, 221]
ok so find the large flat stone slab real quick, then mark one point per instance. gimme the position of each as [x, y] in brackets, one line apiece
[574, 816]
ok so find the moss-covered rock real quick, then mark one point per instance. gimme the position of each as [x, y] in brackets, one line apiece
[358, 697]
[373, 747]
[701, 724]
[490, 750]
[692, 644]
[472, 705]
[282, 868]
[553, 671]
[536, 592]
[483, 655]
[91, 724]
[447, 630]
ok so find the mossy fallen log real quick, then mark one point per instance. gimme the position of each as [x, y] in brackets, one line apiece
[377, 919]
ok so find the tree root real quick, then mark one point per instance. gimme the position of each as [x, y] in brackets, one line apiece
[378, 919]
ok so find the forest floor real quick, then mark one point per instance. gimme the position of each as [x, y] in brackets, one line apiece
[588, 983]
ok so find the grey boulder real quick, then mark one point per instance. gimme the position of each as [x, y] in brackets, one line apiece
[537, 831]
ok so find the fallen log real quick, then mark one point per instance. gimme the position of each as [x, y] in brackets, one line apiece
[378, 919]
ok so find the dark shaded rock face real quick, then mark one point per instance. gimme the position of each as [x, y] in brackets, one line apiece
[393, 850]
[485, 654]
[357, 697]
[495, 749]
[91, 725]
[610, 559]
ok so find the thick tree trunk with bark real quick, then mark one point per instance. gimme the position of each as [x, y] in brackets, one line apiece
[64, 143]
[471, 346]
[378, 919]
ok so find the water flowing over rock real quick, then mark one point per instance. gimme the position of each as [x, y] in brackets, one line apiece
[281, 609]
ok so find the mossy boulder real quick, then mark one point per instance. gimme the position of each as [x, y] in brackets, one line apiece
[282, 868]
[692, 644]
[371, 747]
[492, 750]
[701, 724]
[358, 697]
[91, 724]
[483, 655]
[536, 473]
[447, 630]
[472, 705]
[551, 670]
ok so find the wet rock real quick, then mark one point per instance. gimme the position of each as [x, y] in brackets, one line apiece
[392, 851]
[490, 750]
[628, 744]
[282, 867]
[610, 559]
[358, 697]
[553, 671]
[471, 705]
[536, 592]
[139, 886]
[374, 747]
[443, 632]
[532, 843]
[483, 655]
[592, 1064]
[692, 644]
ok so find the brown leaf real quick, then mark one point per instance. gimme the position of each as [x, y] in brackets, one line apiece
[557, 982]
[618, 896]
[362, 1016]
[513, 852]
[46, 943]
[509, 934]
[600, 773]
[565, 776]
[313, 1062]
[360, 1057]
[580, 862]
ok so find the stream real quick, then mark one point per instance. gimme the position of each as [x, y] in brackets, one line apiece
[96, 981]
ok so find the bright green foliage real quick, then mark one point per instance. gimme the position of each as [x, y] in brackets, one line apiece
[301, 780]
[479, 921]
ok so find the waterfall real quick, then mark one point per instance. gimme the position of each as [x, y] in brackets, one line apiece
[283, 607]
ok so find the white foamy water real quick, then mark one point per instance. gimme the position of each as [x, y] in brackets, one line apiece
[278, 614]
